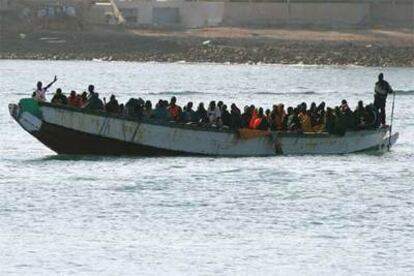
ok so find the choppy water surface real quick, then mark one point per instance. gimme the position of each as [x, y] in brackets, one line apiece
[317, 215]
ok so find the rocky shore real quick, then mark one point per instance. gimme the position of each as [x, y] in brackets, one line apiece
[172, 48]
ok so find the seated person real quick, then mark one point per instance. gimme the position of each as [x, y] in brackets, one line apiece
[321, 113]
[201, 114]
[245, 117]
[349, 119]
[292, 122]
[340, 122]
[253, 116]
[112, 106]
[259, 121]
[235, 116]
[279, 116]
[306, 121]
[313, 113]
[359, 116]
[135, 107]
[74, 99]
[344, 106]
[174, 109]
[213, 113]
[59, 98]
[83, 99]
[189, 114]
[160, 113]
[372, 119]
[263, 123]
[94, 103]
[225, 116]
[329, 121]
[147, 113]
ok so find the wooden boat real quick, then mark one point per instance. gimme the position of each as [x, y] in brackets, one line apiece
[68, 130]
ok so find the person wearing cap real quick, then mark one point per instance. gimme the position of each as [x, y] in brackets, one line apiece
[382, 89]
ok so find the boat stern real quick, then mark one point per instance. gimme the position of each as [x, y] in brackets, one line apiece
[390, 139]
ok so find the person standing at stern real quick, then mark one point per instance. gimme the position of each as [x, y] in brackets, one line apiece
[382, 89]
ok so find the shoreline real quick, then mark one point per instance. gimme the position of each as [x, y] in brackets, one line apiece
[217, 46]
[311, 61]
[97, 60]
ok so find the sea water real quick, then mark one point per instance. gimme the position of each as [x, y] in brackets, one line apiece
[315, 215]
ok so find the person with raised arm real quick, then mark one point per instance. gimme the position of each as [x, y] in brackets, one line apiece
[40, 92]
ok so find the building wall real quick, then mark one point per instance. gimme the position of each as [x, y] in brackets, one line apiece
[191, 14]
[97, 14]
[198, 14]
[4, 4]
[392, 14]
[242, 13]
[203, 13]
[330, 13]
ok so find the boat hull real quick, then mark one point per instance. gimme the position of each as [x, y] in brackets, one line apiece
[74, 131]
[68, 141]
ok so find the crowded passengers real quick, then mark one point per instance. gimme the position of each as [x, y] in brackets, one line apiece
[302, 118]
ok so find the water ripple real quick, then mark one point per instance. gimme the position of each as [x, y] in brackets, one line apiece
[296, 215]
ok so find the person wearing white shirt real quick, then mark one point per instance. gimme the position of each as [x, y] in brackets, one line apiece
[40, 92]
[213, 113]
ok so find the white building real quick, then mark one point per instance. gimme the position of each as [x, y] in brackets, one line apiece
[171, 13]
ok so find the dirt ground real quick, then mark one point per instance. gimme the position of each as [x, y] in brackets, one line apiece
[397, 37]
[373, 47]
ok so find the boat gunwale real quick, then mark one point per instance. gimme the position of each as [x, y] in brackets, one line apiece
[279, 134]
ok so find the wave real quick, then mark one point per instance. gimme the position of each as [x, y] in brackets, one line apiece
[75, 157]
[71, 157]
[286, 93]
[23, 94]
[192, 93]
[404, 92]
[189, 93]
[310, 92]
[180, 93]
[399, 93]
